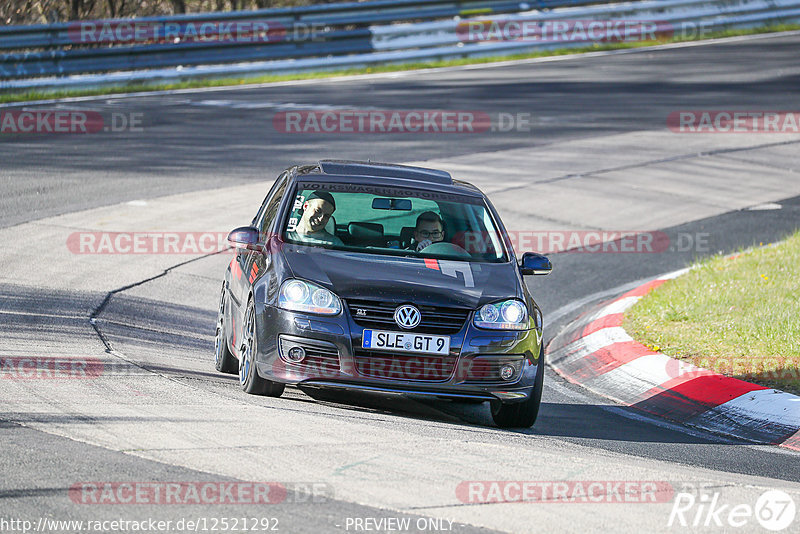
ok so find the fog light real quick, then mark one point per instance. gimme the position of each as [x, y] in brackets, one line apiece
[296, 354]
[507, 372]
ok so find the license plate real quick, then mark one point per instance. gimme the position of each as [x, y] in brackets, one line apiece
[405, 342]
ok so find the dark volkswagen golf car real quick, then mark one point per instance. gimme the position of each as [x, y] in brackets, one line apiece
[384, 278]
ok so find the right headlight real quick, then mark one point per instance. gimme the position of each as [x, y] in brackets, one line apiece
[302, 296]
[506, 315]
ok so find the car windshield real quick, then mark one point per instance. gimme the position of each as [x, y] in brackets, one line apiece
[393, 221]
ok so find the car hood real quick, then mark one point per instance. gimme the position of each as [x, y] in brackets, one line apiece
[401, 279]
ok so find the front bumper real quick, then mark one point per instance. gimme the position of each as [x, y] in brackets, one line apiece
[335, 360]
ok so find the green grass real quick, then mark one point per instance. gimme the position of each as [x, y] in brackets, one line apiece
[739, 317]
[24, 96]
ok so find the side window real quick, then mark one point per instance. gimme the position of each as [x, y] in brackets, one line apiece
[271, 208]
[258, 219]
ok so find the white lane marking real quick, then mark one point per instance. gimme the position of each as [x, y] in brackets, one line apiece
[570, 308]
[618, 306]
[605, 337]
[416, 72]
[590, 344]
[644, 373]
[675, 274]
[238, 104]
[770, 405]
[631, 413]
[765, 207]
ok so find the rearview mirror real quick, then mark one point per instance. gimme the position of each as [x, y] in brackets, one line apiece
[245, 237]
[402, 204]
[533, 263]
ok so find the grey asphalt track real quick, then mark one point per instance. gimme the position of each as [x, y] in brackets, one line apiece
[215, 139]
[196, 141]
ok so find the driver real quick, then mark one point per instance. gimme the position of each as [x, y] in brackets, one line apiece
[429, 230]
[317, 211]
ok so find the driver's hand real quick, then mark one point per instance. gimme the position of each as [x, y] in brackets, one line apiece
[423, 244]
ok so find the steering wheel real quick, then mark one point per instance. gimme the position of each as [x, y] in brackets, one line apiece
[446, 249]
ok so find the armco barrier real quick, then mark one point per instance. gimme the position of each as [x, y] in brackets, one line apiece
[347, 35]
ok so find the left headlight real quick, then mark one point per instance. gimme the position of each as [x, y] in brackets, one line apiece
[302, 296]
[537, 319]
[506, 315]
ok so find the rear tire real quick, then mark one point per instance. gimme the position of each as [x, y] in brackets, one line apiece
[224, 360]
[521, 414]
[249, 378]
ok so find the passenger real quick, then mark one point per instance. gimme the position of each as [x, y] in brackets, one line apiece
[317, 211]
[429, 230]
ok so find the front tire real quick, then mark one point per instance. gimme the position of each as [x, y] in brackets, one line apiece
[249, 378]
[521, 414]
[224, 360]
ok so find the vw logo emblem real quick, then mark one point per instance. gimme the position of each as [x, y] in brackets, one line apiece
[407, 316]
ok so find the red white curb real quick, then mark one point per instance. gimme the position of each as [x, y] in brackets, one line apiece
[597, 353]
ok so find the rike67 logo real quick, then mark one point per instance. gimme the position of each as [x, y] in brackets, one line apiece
[773, 510]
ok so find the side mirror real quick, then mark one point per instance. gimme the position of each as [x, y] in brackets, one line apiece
[533, 263]
[245, 237]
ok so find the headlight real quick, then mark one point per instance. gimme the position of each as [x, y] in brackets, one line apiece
[298, 295]
[506, 315]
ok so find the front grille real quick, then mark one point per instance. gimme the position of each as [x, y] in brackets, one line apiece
[380, 315]
[406, 367]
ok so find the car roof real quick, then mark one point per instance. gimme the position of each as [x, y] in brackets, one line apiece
[385, 174]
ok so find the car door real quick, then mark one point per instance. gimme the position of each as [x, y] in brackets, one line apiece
[243, 273]
[255, 264]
